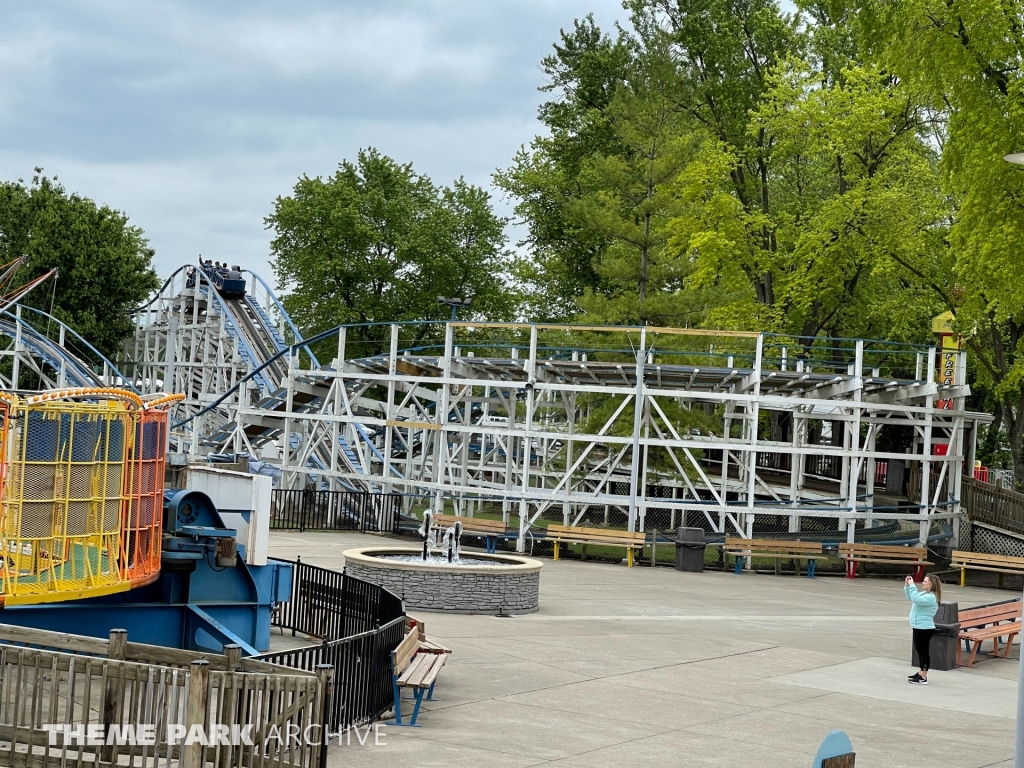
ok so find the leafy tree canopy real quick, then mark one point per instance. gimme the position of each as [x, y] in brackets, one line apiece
[105, 264]
[377, 242]
[726, 163]
[965, 58]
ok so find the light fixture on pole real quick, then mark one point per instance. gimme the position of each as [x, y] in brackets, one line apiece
[455, 302]
[1017, 158]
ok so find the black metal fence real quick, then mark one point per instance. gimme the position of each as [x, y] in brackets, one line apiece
[332, 605]
[360, 625]
[335, 511]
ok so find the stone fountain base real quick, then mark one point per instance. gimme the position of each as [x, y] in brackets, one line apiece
[510, 586]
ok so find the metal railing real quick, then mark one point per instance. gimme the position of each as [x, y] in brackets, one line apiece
[335, 511]
[362, 666]
[360, 624]
[332, 606]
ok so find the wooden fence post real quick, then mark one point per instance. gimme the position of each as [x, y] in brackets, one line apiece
[113, 695]
[229, 707]
[234, 657]
[325, 675]
[195, 711]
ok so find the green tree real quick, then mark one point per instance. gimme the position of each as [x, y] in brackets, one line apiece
[633, 198]
[377, 242]
[778, 185]
[722, 52]
[726, 50]
[583, 73]
[105, 264]
[853, 192]
[966, 55]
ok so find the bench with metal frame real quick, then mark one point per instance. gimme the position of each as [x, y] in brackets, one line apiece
[983, 561]
[855, 554]
[491, 531]
[779, 549]
[606, 537]
[415, 670]
[427, 645]
[989, 622]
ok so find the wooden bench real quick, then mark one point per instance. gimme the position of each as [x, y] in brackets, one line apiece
[989, 622]
[415, 670]
[855, 554]
[488, 530]
[607, 537]
[982, 561]
[426, 644]
[779, 549]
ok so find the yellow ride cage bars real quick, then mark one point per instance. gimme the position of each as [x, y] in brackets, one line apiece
[67, 494]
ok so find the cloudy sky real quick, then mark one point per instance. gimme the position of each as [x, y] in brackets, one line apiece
[193, 116]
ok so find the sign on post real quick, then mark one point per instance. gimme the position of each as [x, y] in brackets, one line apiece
[835, 751]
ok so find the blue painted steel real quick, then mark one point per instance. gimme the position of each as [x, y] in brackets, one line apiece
[835, 744]
[76, 372]
[268, 326]
[195, 604]
[218, 632]
[284, 314]
[120, 379]
[417, 694]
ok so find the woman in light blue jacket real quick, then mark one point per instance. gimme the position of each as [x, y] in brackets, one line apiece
[924, 604]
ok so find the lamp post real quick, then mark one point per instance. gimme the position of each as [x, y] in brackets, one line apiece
[1017, 158]
[455, 303]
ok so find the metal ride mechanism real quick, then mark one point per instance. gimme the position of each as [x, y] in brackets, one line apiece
[92, 540]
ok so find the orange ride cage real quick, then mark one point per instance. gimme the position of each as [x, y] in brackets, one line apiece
[143, 514]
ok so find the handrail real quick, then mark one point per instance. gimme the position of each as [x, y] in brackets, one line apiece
[158, 293]
[333, 331]
[290, 349]
[239, 335]
[220, 301]
[286, 351]
[284, 314]
[47, 350]
[201, 274]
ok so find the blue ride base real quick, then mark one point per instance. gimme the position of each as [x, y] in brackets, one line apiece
[206, 596]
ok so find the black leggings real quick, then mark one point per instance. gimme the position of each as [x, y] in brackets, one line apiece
[922, 639]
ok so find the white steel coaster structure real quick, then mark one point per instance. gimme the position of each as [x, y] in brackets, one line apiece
[732, 431]
[190, 339]
[40, 352]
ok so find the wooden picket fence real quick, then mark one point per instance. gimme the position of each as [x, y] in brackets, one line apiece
[54, 687]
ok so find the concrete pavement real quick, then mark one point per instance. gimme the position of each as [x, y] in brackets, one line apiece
[651, 667]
